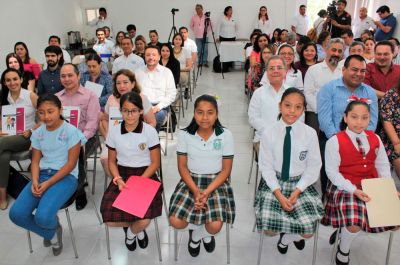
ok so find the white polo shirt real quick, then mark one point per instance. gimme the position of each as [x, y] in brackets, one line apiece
[104, 50]
[133, 148]
[205, 157]
[131, 62]
[190, 45]
[359, 25]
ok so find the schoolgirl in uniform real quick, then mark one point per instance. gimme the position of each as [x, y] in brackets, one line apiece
[352, 155]
[55, 150]
[203, 199]
[286, 202]
[133, 150]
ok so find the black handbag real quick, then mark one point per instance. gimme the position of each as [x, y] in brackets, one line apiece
[16, 183]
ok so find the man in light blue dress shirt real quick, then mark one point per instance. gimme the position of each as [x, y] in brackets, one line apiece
[332, 101]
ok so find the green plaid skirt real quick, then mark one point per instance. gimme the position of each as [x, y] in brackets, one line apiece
[220, 204]
[271, 216]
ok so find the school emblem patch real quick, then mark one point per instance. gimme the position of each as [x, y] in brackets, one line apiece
[303, 155]
[142, 146]
[217, 144]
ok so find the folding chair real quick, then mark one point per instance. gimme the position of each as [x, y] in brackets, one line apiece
[21, 156]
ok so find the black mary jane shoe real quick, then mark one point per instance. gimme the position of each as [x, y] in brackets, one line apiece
[332, 238]
[210, 246]
[299, 244]
[338, 262]
[194, 252]
[143, 243]
[131, 246]
[282, 248]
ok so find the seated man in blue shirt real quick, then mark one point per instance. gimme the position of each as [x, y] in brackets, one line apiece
[333, 98]
[386, 26]
[49, 79]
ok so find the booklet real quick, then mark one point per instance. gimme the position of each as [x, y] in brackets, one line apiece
[114, 117]
[137, 196]
[96, 88]
[12, 119]
[72, 115]
[384, 207]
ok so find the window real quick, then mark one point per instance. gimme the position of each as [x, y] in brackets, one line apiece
[314, 6]
[91, 14]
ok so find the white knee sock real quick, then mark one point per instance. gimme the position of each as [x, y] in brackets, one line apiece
[140, 235]
[346, 238]
[131, 236]
[201, 233]
[289, 238]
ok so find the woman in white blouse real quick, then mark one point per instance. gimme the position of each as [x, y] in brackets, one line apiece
[262, 22]
[227, 26]
[184, 57]
[12, 94]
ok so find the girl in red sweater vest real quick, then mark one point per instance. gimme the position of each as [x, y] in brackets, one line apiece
[352, 155]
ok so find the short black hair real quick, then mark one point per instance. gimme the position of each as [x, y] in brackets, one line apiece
[301, 6]
[183, 28]
[131, 27]
[342, 1]
[226, 9]
[53, 49]
[351, 57]
[54, 37]
[383, 9]
[303, 40]
[322, 13]
[153, 31]
[349, 32]
[100, 29]
[153, 47]
[395, 40]
[102, 9]
[385, 43]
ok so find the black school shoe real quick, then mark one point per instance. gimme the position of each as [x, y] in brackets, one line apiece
[80, 201]
[282, 248]
[209, 247]
[299, 244]
[143, 243]
[131, 246]
[194, 252]
[338, 262]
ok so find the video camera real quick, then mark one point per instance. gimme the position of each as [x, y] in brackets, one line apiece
[173, 10]
[208, 14]
[331, 9]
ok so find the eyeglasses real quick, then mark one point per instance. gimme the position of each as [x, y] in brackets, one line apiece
[132, 111]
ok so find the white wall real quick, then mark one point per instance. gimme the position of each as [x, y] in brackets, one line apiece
[34, 21]
[155, 14]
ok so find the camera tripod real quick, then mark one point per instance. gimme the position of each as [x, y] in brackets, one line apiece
[173, 29]
[207, 23]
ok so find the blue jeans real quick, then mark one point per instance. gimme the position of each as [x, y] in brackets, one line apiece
[160, 118]
[205, 55]
[44, 222]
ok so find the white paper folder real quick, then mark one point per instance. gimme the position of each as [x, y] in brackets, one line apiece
[384, 207]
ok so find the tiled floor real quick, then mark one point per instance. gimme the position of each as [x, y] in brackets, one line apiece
[90, 236]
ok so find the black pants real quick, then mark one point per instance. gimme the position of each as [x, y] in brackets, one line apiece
[226, 39]
[89, 149]
[324, 177]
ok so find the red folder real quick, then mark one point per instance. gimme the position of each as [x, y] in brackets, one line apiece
[20, 120]
[137, 196]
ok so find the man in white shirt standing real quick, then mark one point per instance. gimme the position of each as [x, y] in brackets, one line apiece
[102, 20]
[301, 22]
[129, 60]
[157, 83]
[190, 44]
[362, 23]
[103, 46]
[318, 75]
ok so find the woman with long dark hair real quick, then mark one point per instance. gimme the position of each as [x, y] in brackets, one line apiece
[30, 64]
[28, 79]
[168, 60]
[308, 57]
[262, 22]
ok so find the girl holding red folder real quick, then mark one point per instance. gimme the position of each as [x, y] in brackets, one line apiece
[352, 155]
[133, 150]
